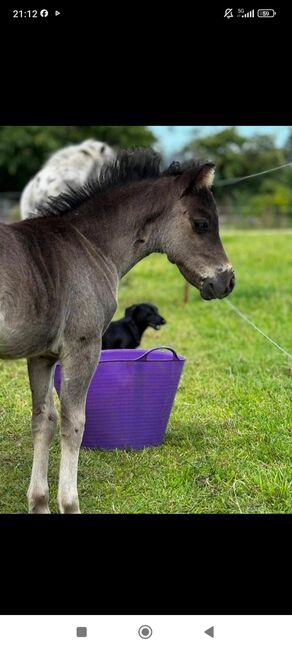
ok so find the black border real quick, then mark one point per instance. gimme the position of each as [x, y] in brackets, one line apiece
[145, 564]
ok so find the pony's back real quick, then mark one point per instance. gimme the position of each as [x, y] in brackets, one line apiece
[71, 165]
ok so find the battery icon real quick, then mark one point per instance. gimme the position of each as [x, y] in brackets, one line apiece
[266, 13]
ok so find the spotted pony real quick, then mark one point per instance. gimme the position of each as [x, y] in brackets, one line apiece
[71, 166]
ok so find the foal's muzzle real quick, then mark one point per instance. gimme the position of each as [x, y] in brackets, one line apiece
[218, 286]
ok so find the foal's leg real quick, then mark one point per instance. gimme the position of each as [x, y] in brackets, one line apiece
[78, 366]
[44, 420]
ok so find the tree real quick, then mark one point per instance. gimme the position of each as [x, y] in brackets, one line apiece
[24, 149]
[288, 146]
[236, 156]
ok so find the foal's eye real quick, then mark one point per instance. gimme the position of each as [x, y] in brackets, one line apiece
[200, 226]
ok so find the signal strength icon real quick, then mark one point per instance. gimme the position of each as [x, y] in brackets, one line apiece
[250, 14]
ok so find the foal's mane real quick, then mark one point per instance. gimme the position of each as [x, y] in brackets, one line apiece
[130, 166]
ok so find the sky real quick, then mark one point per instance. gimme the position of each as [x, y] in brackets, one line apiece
[173, 138]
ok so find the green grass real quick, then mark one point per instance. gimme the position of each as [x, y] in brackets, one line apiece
[228, 446]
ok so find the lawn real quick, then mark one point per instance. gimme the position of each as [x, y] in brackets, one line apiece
[228, 446]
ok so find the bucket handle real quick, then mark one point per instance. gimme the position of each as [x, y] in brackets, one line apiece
[154, 349]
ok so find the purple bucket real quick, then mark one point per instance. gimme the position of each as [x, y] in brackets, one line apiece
[130, 397]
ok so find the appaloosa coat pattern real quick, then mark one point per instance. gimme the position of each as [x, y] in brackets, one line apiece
[70, 166]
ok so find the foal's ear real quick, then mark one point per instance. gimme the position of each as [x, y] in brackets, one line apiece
[196, 178]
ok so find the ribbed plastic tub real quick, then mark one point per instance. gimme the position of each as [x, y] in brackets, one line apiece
[130, 397]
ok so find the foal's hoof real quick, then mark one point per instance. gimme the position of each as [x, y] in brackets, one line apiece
[38, 505]
[39, 510]
[69, 508]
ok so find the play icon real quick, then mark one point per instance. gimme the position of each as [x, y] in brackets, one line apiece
[57, 13]
[210, 632]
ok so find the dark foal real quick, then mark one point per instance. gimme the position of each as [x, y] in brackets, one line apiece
[59, 276]
[127, 332]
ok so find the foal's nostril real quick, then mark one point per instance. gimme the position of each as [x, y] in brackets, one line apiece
[232, 283]
[209, 289]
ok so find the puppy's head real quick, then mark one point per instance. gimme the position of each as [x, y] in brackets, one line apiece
[146, 314]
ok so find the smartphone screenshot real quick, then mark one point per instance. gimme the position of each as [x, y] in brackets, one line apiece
[145, 327]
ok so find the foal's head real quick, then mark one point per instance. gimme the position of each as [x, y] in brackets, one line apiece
[187, 231]
[193, 239]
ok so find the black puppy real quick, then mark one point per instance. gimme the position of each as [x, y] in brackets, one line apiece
[126, 333]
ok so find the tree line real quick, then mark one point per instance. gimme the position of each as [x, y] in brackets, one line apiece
[24, 149]
[236, 156]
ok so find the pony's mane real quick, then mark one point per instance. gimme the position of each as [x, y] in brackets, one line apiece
[130, 166]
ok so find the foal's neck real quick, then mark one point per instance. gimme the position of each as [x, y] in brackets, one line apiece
[126, 223]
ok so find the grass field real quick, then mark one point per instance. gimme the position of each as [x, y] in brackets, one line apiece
[228, 447]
